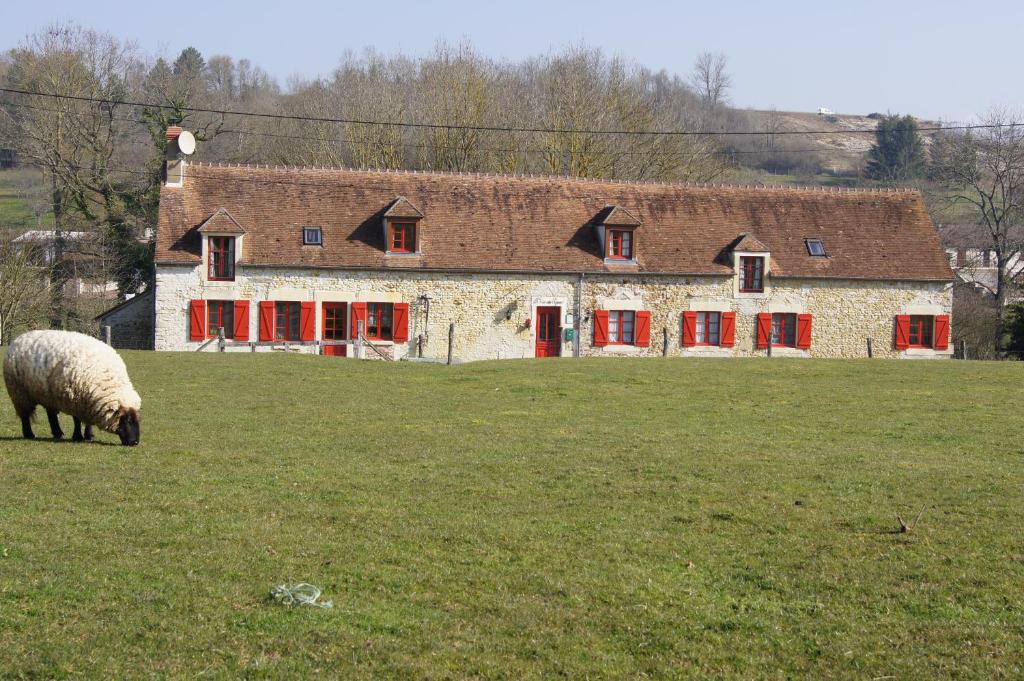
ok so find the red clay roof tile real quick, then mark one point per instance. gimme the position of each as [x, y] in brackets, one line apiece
[502, 223]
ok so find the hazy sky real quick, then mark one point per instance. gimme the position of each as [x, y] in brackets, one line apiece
[936, 59]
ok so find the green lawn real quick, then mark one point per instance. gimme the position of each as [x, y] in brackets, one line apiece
[529, 519]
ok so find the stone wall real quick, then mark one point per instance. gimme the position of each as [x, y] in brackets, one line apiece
[131, 324]
[494, 315]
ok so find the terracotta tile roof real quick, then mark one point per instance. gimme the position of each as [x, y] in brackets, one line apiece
[221, 222]
[487, 222]
[402, 208]
[748, 243]
[617, 216]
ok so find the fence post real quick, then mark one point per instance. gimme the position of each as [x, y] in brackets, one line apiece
[419, 345]
[871, 352]
[451, 341]
[963, 349]
[359, 339]
[220, 339]
[664, 343]
[106, 335]
[252, 346]
[769, 346]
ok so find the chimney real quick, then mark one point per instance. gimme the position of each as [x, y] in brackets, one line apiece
[174, 159]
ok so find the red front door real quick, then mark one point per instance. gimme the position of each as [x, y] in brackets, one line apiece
[335, 325]
[549, 332]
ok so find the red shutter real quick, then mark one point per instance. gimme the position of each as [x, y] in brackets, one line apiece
[307, 320]
[728, 329]
[643, 329]
[400, 320]
[600, 328]
[942, 332]
[358, 315]
[266, 320]
[803, 331]
[902, 331]
[197, 320]
[764, 329]
[241, 320]
[689, 329]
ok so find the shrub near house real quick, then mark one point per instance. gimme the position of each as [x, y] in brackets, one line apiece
[530, 267]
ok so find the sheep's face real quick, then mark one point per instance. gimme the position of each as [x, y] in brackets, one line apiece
[128, 428]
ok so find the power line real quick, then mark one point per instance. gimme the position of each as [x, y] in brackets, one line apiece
[481, 128]
[507, 150]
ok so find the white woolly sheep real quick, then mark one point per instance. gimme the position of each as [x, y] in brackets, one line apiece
[76, 374]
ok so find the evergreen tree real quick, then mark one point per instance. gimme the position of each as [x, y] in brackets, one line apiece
[898, 153]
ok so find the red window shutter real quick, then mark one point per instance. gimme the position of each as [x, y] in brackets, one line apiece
[643, 329]
[942, 332]
[902, 331]
[764, 329]
[197, 320]
[266, 320]
[803, 331]
[307, 320]
[241, 320]
[728, 331]
[400, 323]
[689, 329]
[600, 327]
[358, 315]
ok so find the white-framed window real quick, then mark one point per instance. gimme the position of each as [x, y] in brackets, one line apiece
[312, 236]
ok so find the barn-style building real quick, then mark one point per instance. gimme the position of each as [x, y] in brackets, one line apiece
[541, 266]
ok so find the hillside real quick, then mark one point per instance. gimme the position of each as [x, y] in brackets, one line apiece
[842, 149]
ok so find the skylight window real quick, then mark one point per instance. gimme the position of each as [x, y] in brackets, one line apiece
[815, 247]
[312, 236]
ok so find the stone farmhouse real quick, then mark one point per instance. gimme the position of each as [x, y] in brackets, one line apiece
[304, 259]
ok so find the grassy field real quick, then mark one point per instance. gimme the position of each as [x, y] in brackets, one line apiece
[573, 518]
[15, 210]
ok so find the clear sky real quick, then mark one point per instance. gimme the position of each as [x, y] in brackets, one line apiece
[936, 59]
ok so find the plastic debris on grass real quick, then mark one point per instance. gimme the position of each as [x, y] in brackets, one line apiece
[298, 594]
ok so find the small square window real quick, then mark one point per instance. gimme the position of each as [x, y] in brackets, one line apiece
[312, 236]
[815, 247]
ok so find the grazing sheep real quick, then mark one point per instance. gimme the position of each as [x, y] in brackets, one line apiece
[76, 374]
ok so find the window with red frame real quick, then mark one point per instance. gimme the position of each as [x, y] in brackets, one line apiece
[784, 330]
[220, 313]
[378, 321]
[708, 328]
[921, 327]
[621, 325]
[222, 258]
[334, 321]
[752, 274]
[403, 237]
[620, 244]
[287, 321]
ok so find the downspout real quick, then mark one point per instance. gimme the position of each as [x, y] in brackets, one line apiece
[577, 322]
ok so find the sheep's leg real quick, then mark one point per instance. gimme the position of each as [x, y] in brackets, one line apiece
[76, 435]
[51, 414]
[26, 426]
[88, 432]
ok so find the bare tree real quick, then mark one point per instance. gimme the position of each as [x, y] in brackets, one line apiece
[710, 79]
[984, 170]
[24, 289]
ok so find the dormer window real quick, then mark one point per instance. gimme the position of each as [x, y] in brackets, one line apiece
[616, 233]
[620, 244]
[401, 227]
[751, 274]
[222, 258]
[402, 238]
[815, 248]
[312, 236]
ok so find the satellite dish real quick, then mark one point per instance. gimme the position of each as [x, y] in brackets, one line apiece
[186, 142]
